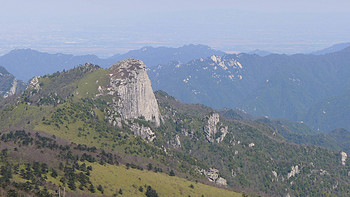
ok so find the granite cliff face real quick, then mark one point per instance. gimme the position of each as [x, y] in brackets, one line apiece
[135, 98]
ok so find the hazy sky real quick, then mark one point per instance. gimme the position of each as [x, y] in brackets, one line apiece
[106, 27]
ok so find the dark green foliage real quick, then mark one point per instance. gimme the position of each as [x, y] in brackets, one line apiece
[151, 192]
[171, 173]
[149, 166]
[244, 195]
[134, 166]
[100, 188]
[12, 193]
[37, 172]
[250, 167]
[92, 188]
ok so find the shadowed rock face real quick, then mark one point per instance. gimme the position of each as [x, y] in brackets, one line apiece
[130, 82]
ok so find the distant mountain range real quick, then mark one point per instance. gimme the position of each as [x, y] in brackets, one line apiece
[260, 52]
[303, 87]
[27, 63]
[275, 85]
[153, 56]
[332, 49]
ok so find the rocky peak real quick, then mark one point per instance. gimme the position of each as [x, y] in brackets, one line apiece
[129, 82]
[127, 69]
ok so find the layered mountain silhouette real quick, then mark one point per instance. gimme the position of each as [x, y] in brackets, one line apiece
[27, 63]
[277, 86]
[293, 87]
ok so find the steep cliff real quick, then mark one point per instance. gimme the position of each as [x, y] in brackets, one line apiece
[130, 83]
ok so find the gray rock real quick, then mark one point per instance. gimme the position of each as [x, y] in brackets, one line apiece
[12, 90]
[295, 170]
[221, 181]
[129, 81]
[211, 128]
[133, 96]
[343, 158]
[143, 131]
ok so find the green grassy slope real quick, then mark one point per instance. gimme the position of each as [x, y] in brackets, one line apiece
[252, 157]
[130, 180]
[79, 168]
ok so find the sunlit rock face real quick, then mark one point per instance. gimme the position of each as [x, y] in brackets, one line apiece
[135, 98]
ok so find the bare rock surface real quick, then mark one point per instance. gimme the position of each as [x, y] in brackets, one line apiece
[130, 83]
[343, 158]
[213, 127]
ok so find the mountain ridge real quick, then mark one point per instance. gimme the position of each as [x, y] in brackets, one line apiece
[192, 141]
[27, 63]
[332, 49]
[278, 86]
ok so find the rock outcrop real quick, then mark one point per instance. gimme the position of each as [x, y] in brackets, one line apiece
[143, 131]
[213, 176]
[213, 127]
[130, 84]
[275, 175]
[295, 170]
[34, 84]
[343, 158]
[9, 85]
[221, 181]
[12, 90]
[176, 143]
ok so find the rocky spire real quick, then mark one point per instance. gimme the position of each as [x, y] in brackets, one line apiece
[130, 82]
